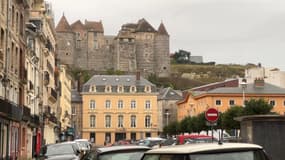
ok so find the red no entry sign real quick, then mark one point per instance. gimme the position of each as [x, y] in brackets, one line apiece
[212, 115]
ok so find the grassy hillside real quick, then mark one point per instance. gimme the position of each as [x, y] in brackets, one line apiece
[185, 76]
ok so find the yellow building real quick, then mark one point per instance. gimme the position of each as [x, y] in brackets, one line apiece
[65, 101]
[119, 107]
[223, 98]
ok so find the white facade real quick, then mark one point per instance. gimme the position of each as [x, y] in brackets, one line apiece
[270, 75]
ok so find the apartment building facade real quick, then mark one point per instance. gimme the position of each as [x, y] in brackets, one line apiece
[118, 107]
[223, 98]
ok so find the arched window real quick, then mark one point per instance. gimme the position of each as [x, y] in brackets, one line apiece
[147, 89]
[133, 89]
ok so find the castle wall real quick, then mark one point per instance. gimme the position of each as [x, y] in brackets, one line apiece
[65, 47]
[145, 52]
[125, 55]
[162, 58]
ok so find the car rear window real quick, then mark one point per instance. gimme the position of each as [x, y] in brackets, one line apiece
[242, 155]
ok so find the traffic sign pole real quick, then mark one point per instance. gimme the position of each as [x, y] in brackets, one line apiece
[212, 116]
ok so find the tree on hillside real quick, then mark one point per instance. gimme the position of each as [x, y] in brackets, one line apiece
[182, 57]
[257, 106]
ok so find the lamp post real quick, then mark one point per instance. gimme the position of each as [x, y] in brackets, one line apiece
[167, 117]
[243, 85]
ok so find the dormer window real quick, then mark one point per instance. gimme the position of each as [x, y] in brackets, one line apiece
[133, 89]
[93, 88]
[108, 89]
[147, 89]
[120, 89]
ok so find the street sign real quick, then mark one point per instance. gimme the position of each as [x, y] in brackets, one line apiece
[212, 115]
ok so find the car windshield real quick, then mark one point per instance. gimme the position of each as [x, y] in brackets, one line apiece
[122, 156]
[59, 149]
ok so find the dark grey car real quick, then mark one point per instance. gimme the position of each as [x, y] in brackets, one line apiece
[61, 151]
[127, 152]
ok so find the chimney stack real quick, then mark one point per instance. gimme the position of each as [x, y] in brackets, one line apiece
[138, 76]
[259, 82]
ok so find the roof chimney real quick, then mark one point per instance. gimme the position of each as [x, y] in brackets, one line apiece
[259, 82]
[138, 76]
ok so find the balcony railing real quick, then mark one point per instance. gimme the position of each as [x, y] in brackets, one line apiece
[26, 113]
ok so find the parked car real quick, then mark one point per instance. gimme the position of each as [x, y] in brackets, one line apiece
[84, 144]
[151, 141]
[61, 151]
[128, 152]
[208, 151]
[194, 138]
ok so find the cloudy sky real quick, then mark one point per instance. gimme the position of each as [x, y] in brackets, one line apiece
[224, 31]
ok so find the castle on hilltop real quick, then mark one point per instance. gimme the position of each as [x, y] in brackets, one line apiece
[136, 47]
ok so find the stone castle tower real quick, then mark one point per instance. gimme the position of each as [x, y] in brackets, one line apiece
[137, 47]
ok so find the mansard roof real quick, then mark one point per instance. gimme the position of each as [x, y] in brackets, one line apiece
[169, 94]
[144, 26]
[117, 80]
[94, 26]
[77, 25]
[161, 29]
[63, 25]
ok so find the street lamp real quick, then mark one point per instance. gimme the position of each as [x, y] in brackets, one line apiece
[243, 86]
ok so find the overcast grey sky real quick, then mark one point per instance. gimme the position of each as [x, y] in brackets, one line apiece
[225, 31]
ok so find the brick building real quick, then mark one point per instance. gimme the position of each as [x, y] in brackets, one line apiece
[138, 46]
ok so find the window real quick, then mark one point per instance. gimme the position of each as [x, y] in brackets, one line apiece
[73, 110]
[120, 104]
[147, 104]
[108, 89]
[232, 102]
[108, 121]
[133, 89]
[272, 102]
[133, 104]
[147, 121]
[93, 89]
[133, 121]
[108, 104]
[147, 89]
[95, 44]
[120, 121]
[120, 89]
[218, 102]
[92, 121]
[92, 104]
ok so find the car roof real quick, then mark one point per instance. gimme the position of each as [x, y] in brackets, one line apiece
[202, 147]
[121, 148]
[81, 140]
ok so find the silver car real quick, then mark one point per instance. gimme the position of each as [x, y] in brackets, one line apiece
[208, 151]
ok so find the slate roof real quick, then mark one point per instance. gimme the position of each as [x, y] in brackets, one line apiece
[77, 25]
[100, 81]
[75, 96]
[144, 26]
[63, 25]
[250, 89]
[161, 30]
[94, 26]
[169, 94]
